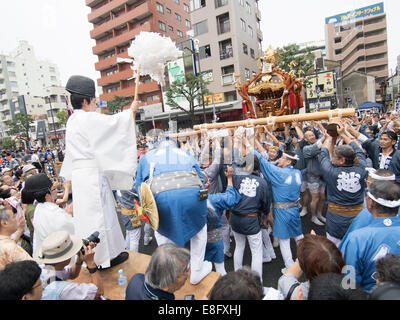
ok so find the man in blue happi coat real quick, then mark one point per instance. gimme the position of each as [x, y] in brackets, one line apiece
[343, 169]
[363, 247]
[175, 182]
[285, 183]
[364, 218]
[216, 204]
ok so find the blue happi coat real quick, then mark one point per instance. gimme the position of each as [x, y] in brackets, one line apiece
[220, 202]
[363, 247]
[181, 214]
[285, 186]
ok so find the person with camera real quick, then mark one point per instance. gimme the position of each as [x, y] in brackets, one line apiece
[55, 255]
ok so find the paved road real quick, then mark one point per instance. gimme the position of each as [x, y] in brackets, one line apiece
[271, 270]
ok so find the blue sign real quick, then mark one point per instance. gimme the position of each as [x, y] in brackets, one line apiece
[356, 14]
[102, 104]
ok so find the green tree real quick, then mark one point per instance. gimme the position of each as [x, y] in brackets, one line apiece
[304, 58]
[62, 117]
[7, 144]
[20, 126]
[116, 103]
[191, 89]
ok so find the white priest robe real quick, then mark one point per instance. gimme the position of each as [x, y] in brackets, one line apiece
[100, 156]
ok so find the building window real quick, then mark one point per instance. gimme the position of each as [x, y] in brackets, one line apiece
[252, 53]
[186, 8]
[52, 78]
[197, 4]
[247, 73]
[243, 25]
[241, 2]
[176, 1]
[225, 49]
[227, 75]
[251, 32]
[52, 69]
[152, 98]
[230, 96]
[188, 25]
[168, 10]
[220, 3]
[180, 34]
[161, 25]
[223, 23]
[160, 7]
[245, 50]
[200, 28]
[170, 28]
[178, 17]
[205, 51]
[248, 8]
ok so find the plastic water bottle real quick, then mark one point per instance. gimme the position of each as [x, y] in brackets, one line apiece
[122, 283]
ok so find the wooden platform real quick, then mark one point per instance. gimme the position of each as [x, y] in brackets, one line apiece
[137, 263]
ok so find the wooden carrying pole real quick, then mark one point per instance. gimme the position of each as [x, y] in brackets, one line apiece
[338, 113]
[137, 83]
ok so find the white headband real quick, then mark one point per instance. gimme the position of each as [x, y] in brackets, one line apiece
[383, 202]
[373, 175]
[291, 157]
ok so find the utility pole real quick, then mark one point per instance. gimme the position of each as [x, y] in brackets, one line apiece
[52, 118]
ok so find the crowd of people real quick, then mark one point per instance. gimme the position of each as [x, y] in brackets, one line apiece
[254, 184]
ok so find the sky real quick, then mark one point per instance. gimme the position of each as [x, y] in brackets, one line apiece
[60, 32]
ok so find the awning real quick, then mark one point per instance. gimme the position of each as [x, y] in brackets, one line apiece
[369, 105]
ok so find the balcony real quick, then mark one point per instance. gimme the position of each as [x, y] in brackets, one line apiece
[259, 34]
[130, 91]
[109, 62]
[104, 11]
[227, 79]
[115, 78]
[125, 38]
[258, 13]
[92, 3]
[137, 13]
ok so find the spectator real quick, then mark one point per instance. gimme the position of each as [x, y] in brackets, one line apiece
[315, 180]
[315, 255]
[366, 245]
[20, 280]
[166, 273]
[47, 217]
[329, 286]
[9, 249]
[55, 253]
[236, 285]
[388, 269]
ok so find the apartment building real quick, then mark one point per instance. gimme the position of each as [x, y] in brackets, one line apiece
[229, 37]
[358, 39]
[115, 24]
[24, 80]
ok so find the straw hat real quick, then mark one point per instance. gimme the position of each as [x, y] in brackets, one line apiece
[58, 247]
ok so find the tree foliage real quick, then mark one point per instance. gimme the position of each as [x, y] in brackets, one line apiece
[7, 144]
[304, 58]
[20, 126]
[117, 103]
[190, 89]
[62, 117]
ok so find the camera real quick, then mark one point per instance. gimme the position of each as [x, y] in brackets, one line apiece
[94, 237]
